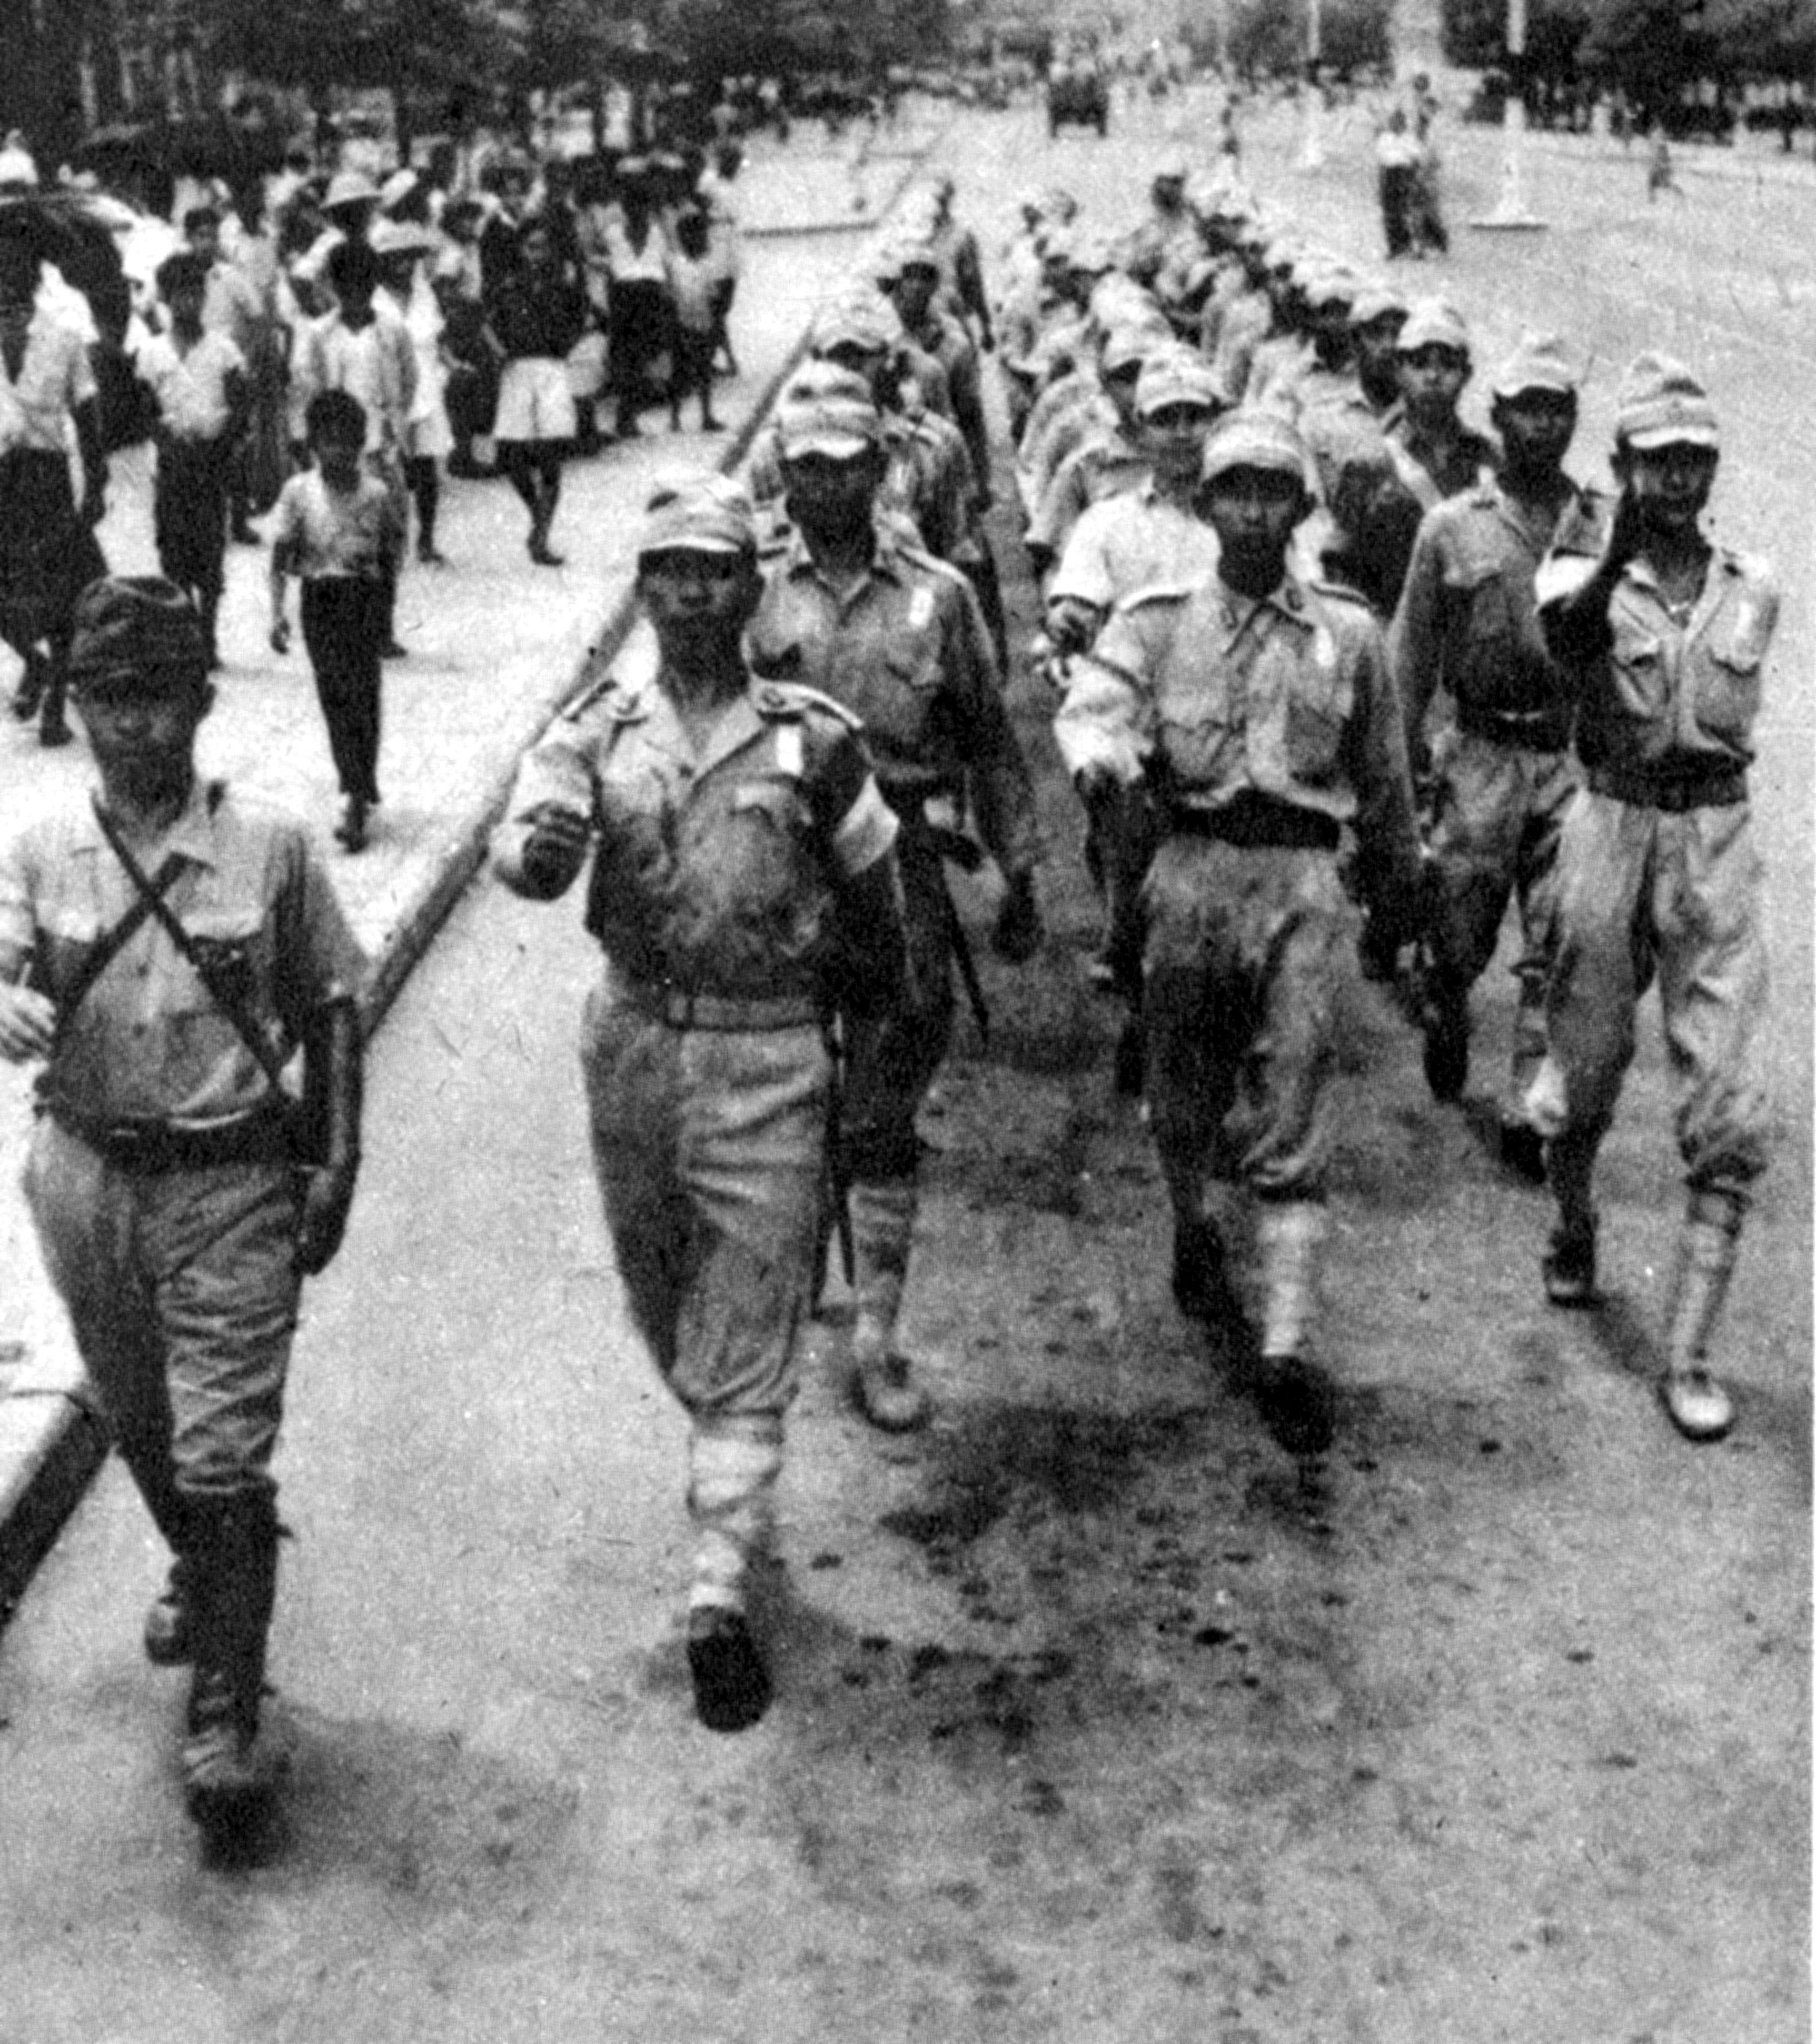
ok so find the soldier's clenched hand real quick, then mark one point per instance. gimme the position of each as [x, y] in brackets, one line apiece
[27, 1022]
[554, 850]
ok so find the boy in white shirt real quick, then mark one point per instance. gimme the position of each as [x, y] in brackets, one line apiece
[197, 377]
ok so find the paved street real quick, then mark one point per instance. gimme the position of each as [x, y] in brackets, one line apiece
[1095, 1724]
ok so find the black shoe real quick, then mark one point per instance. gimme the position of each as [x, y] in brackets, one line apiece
[351, 830]
[1447, 1054]
[1298, 1402]
[392, 650]
[1570, 1266]
[543, 556]
[29, 693]
[53, 731]
[244, 536]
[1522, 1151]
[731, 1685]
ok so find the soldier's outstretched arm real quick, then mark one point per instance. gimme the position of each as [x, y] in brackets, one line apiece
[540, 847]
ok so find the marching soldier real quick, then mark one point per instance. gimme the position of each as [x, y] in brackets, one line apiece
[1258, 714]
[744, 886]
[1664, 639]
[898, 638]
[1467, 630]
[164, 946]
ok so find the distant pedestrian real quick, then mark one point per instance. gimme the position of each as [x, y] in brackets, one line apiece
[692, 283]
[1661, 176]
[197, 377]
[537, 315]
[48, 400]
[1396, 159]
[340, 530]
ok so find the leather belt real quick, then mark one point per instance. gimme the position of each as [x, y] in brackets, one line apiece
[1537, 730]
[1260, 823]
[261, 1137]
[680, 1008]
[1717, 788]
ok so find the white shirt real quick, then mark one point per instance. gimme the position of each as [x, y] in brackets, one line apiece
[192, 387]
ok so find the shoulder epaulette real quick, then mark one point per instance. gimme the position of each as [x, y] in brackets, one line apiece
[791, 701]
[1152, 595]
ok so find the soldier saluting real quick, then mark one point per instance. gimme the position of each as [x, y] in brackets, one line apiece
[744, 886]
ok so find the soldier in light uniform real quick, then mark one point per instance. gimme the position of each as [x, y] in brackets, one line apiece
[163, 1176]
[1154, 534]
[1258, 713]
[744, 884]
[914, 287]
[1467, 649]
[1108, 460]
[898, 638]
[1426, 453]
[1664, 637]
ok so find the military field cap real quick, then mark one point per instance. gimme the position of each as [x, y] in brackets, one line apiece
[17, 171]
[129, 626]
[826, 410]
[1208, 195]
[1433, 323]
[1128, 344]
[698, 513]
[349, 188]
[1332, 284]
[1178, 375]
[1375, 300]
[1091, 253]
[1256, 438]
[1539, 362]
[864, 320]
[914, 247]
[1662, 404]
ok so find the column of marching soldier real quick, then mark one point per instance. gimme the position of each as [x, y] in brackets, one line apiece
[1335, 674]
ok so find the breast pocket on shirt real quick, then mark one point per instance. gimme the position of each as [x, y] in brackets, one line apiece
[1728, 688]
[1639, 664]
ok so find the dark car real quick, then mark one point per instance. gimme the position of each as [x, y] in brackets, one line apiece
[1079, 95]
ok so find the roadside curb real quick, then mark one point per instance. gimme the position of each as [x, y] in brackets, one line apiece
[52, 1440]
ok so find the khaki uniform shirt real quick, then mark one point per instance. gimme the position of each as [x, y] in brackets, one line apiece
[907, 653]
[1211, 697]
[717, 871]
[1672, 696]
[1131, 542]
[1467, 619]
[147, 1041]
[1107, 464]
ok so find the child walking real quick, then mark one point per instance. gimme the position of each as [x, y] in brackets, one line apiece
[693, 286]
[340, 530]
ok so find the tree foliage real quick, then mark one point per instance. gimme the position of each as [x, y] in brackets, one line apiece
[1650, 46]
[1267, 39]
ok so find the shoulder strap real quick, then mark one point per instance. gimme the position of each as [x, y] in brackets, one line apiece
[114, 941]
[223, 996]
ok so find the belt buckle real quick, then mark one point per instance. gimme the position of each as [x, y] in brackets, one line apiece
[132, 1142]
